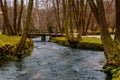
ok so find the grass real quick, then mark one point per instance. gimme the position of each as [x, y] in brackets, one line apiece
[8, 47]
[59, 38]
[86, 43]
[91, 40]
[12, 40]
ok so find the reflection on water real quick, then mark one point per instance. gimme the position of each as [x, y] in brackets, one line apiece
[50, 61]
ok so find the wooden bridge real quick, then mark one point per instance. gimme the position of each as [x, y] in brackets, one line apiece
[44, 35]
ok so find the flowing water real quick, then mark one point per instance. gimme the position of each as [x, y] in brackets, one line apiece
[49, 61]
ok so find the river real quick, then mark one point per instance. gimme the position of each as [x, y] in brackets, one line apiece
[49, 61]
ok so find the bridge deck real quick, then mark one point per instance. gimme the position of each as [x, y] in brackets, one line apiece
[45, 34]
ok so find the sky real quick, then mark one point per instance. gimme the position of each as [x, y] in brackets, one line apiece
[42, 3]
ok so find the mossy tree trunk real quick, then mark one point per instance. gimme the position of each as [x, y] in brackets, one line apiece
[70, 20]
[21, 43]
[65, 21]
[111, 49]
[73, 12]
[80, 20]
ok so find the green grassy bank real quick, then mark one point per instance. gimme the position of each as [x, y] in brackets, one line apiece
[91, 44]
[8, 45]
[86, 43]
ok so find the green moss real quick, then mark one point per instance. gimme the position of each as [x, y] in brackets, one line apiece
[108, 68]
[112, 71]
[24, 53]
[86, 43]
[91, 46]
[92, 40]
[11, 40]
[115, 73]
[8, 46]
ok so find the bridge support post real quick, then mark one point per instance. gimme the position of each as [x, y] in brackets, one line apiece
[43, 38]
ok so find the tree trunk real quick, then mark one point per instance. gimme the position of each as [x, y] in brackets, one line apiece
[37, 24]
[80, 20]
[117, 33]
[20, 16]
[87, 24]
[4, 30]
[71, 8]
[6, 19]
[105, 35]
[65, 21]
[56, 6]
[15, 17]
[111, 49]
[21, 43]
[70, 20]
[84, 21]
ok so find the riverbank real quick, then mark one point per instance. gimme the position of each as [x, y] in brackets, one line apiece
[8, 45]
[86, 43]
[91, 43]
